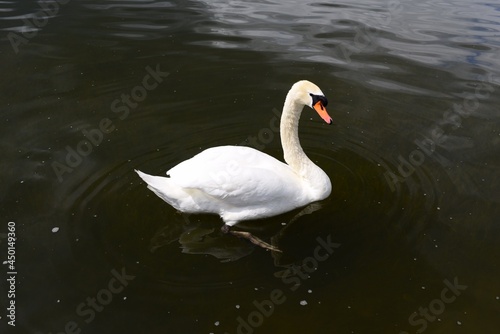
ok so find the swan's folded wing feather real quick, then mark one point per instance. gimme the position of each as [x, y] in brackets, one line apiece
[236, 175]
[250, 186]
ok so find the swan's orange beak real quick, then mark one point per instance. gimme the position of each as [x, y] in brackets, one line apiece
[321, 110]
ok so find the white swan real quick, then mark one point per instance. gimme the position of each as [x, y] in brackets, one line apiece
[240, 183]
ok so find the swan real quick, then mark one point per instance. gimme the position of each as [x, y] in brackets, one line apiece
[241, 183]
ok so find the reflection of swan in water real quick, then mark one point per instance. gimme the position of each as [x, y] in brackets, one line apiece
[253, 184]
[197, 238]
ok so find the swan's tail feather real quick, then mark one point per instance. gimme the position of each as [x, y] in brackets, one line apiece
[163, 188]
[153, 181]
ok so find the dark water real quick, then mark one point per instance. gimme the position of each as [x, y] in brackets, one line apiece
[91, 90]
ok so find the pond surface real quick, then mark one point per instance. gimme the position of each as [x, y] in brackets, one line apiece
[407, 242]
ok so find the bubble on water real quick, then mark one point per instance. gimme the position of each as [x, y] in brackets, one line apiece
[303, 302]
[55, 229]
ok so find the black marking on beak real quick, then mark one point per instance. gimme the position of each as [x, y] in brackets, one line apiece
[319, 98]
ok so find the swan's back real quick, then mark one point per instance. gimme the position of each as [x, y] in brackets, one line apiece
[238, 175]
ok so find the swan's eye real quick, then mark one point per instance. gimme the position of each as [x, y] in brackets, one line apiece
[318, 98]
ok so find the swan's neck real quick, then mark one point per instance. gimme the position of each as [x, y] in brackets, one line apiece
[293, 153]
[289, 131]
[318, 182]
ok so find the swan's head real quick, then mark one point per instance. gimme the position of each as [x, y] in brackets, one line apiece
[310, 95]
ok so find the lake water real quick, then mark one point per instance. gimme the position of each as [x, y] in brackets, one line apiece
[407, 242]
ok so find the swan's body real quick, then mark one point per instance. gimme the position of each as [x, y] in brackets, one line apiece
[240, 183]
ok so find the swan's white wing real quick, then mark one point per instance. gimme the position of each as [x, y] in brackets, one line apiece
[239, 176]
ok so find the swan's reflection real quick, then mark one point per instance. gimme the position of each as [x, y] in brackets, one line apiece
[197, 237]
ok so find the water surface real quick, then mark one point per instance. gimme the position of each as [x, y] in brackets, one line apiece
[92, 90]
